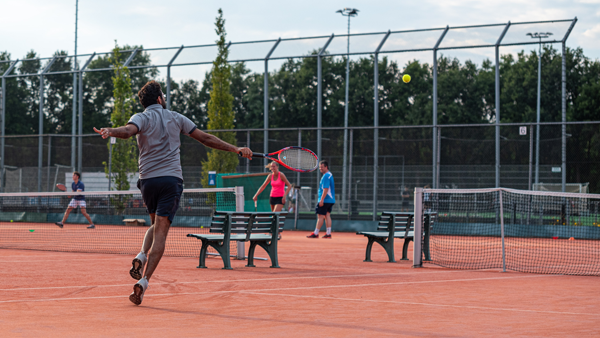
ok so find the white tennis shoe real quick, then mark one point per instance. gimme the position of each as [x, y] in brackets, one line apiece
[138, 264]
[139, 289]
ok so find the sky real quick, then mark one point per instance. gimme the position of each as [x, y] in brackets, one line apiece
[47, 26]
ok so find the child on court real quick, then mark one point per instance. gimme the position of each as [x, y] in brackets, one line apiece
[326, 201]
[77, 202]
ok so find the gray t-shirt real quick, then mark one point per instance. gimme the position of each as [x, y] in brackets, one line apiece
[158, 141]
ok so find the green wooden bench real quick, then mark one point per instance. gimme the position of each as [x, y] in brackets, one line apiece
[397, 225]
[259, 228]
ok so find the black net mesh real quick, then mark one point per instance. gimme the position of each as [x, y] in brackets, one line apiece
[27, 221]
[542, 232]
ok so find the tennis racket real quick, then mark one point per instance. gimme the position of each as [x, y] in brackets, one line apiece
[61, 187]
[294, 158]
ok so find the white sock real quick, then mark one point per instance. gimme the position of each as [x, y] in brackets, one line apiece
[328, 231]
[316, 231]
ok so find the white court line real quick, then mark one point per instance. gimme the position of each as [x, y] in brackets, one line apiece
[62, 258]
[276, 289]
[423, 304]
[225, 281]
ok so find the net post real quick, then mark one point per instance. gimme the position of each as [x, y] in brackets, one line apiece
[502, 230]
[239, 206]
[418, 233]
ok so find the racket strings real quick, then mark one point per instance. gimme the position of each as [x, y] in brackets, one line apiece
[299, 159]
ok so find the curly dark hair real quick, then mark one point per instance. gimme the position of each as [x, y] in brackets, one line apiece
[149, 93]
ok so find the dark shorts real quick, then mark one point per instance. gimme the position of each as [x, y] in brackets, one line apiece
[326, 208]
[161, 195]
[276, 200]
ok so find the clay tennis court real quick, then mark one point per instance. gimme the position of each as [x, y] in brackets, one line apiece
[322, 289]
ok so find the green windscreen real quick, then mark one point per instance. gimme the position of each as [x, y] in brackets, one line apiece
[251, 183]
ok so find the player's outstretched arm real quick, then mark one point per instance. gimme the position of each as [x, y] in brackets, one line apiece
[124, 132]
[216, 143]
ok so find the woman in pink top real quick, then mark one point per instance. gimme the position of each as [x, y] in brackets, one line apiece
[278, 182]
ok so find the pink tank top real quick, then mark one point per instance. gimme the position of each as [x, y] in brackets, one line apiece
[277, 186]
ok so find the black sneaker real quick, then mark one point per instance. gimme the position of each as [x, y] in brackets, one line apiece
[312, 236]
[327, 236]
[60, 224]
[91, 226]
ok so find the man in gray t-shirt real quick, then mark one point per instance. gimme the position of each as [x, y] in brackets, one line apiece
[161, 180]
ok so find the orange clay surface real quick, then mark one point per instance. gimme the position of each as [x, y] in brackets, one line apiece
[323, 288]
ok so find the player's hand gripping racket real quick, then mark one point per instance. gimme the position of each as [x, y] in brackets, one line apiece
[294, 158]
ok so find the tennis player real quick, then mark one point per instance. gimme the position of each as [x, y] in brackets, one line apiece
[161, 180]
[77, 202]
[326, 201]
[278, 183]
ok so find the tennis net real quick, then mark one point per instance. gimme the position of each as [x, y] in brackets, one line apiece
[27, 221]
[526, 231]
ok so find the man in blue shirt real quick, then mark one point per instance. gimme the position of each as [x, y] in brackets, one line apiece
[326, 201]
[77, 201]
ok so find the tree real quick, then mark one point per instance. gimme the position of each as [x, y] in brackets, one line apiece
[220, 108]
[124, 159]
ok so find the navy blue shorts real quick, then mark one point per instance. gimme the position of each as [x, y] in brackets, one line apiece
[161, 195]
[326, 208]
[276, 200]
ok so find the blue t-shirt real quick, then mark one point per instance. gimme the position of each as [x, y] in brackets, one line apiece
[327, 183]
[75, 187]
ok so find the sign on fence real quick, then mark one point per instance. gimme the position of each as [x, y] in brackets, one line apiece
[522, 130]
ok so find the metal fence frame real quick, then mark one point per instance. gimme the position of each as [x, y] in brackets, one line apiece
[172, 63]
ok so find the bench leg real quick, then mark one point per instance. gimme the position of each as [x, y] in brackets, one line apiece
[251, 255]
[368, 252]
[387, 245]
[405, 249]
[202, 259]
[389, 249]
[223, 250]
[271, 249]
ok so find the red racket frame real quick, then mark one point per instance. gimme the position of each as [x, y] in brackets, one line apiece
[275, 157]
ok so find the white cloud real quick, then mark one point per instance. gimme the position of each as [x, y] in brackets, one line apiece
[592, 32]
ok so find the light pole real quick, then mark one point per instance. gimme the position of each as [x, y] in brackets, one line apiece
[539, 36]
[349, 12]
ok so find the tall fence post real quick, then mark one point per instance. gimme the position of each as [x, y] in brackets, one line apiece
[418, 233]
[529, 187]
[438, 159]
[497, 94]
[41, 124]
[502, 230]
[320, 102]
[239, 206]
[49, 162]
[299, 145]
[248, 145]
[350, 151]
[3, 123]
[169, 76]
[74, 117]
[564, 108]
[40, 133]
[266, 102]
[80, 136]
[376, 125]
[434, 101]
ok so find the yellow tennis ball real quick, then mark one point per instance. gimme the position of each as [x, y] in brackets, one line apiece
[406, 78]
[11, 220]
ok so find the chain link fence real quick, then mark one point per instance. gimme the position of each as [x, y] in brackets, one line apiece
[466, 160]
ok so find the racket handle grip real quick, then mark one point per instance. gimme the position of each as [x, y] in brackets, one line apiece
[253, 154]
